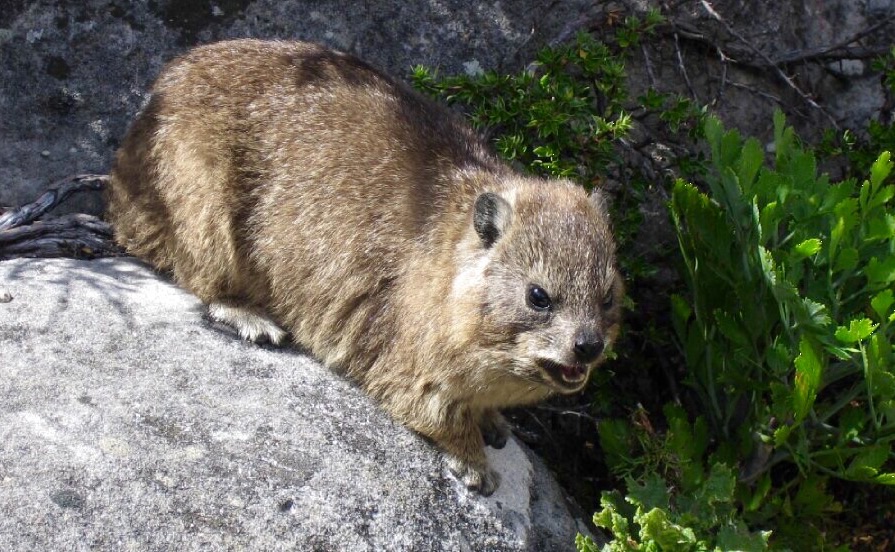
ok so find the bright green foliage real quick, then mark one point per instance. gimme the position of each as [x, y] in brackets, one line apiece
[787, 327]
[673, 501]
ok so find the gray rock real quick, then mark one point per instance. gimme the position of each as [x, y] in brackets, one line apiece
[880, 8]
[129, 422]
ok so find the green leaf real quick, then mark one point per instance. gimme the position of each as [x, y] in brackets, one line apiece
[847, 259]
[611, 517]
[807, 248]
[761, 491]
[880, 380]
[812, 498]
[731, 328]
[803, 170]
[881, 227]
[720, 484]
[885, 479]
[807, 379]
[778, 359]
[815, 313]
[881, 271]
[750, 162]
[858, 330]
[781, 434]
[836, 193]
[653, 493]
[702, 226]
[880, 198]
[846, 219]
[681, 313]
[881, 168]
[783, 137]
[768, 266]
[583, 543]
[688, 442]
[656, 525]
[883, 385]
[615, 441]
[851, 422]
[737, 537]
[769, 216]
[866, 465]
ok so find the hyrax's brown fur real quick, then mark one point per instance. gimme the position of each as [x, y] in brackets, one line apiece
[290, 186]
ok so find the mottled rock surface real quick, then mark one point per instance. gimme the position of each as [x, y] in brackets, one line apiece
[129, 422]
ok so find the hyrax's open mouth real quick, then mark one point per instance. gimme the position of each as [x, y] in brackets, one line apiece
[567, 376]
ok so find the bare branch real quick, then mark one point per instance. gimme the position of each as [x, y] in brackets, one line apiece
[843, 52]
[56, 194]
[77, 235]
[770, 63]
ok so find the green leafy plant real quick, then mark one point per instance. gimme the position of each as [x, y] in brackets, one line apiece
[677, 496]
[788, 325]
[647, 519]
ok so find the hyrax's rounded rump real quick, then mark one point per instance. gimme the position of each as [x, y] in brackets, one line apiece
[293, 187]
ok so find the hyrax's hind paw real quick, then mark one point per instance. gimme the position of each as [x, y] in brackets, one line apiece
[482, 480]
[495, 429]
[248, 325]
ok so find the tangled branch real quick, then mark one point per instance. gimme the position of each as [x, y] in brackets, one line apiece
[77, 235]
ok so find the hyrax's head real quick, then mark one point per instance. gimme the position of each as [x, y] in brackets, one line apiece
[547, 286]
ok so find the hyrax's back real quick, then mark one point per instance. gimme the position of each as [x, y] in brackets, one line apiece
[254, 159]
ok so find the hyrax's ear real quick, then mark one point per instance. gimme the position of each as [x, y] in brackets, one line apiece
[491, 217]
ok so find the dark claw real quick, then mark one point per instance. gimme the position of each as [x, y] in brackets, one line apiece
[495, 438]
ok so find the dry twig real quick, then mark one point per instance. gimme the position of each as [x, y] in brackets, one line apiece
[770, 63]
[56, 194]
[77, 235]
[840, 50]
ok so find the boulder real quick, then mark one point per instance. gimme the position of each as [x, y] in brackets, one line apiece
[130, 422]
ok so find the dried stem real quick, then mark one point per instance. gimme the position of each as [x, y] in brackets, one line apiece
[77, 235]
[56, 194]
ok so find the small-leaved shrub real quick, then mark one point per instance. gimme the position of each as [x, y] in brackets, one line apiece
[559, 117]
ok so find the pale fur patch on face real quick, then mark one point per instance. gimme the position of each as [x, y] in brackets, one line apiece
[249, 325]
[470, 276]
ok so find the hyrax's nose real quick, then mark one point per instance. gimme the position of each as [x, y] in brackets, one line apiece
[588, 346]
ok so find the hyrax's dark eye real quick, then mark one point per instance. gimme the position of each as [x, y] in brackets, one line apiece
[537, 298]
[608, 302]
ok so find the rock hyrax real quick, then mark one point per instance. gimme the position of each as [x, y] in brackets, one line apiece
[298, 191]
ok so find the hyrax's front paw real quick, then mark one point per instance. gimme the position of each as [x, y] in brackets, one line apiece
[495, 429]
[249, 325]
[480, 479]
